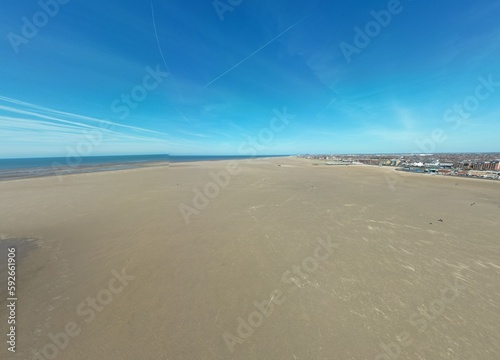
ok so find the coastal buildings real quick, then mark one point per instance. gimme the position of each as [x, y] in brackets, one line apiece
[480, 165]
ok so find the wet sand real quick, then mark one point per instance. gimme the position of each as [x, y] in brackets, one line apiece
[118, 272]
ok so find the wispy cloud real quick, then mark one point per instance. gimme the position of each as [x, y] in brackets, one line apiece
[26, 124]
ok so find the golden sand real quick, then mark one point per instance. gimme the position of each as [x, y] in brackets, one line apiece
[297, 261]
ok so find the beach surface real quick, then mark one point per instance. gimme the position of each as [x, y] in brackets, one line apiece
[255, 259]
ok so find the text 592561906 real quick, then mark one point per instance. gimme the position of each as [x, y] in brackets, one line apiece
[11, 299]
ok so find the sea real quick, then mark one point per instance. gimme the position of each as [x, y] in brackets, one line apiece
[21, 168]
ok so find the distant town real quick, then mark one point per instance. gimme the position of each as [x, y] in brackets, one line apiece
[474, 165]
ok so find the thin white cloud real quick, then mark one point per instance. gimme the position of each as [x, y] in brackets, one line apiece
[44, 130]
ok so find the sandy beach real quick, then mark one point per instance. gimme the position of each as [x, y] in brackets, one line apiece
[256, 259]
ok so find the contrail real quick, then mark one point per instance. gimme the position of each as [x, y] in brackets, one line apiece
[189, 122]
[161, 52]
[259, 49]
[74, 119]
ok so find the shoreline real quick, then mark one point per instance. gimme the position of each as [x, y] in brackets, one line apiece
[51, 171]
[47, 172]
[32, 173]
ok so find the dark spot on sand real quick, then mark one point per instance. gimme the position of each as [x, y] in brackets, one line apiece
[23, 246]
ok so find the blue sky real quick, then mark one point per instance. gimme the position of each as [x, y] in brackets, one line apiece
[182, 77]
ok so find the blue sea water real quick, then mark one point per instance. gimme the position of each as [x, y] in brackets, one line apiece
[34, 167]
[27, 163]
